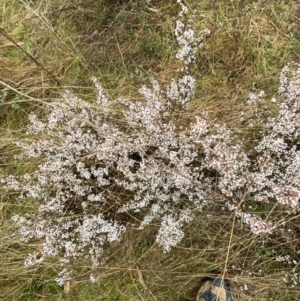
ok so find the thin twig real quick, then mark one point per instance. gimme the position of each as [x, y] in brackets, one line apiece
[17, 45]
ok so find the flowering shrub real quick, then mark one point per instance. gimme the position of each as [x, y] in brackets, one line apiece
[98, 167]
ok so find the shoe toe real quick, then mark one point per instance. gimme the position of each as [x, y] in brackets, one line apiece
[214, 290]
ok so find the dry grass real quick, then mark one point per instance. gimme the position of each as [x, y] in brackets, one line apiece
[125, 45]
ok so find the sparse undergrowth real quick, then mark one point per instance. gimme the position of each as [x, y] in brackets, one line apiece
[248, 46]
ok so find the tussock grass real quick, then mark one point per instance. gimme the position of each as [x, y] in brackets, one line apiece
[125, 44]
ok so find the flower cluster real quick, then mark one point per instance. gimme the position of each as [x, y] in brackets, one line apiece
[98, 169]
